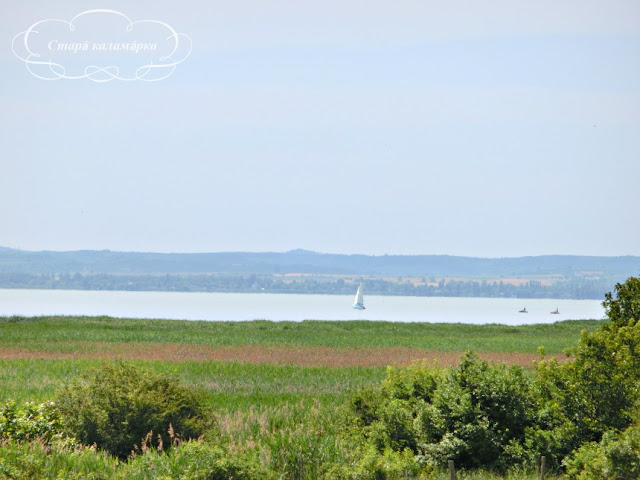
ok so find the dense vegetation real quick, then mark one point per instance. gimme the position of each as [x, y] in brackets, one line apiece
[119, 406]
[552, 276]
[581, 414]
[56, 333]
[576, 287]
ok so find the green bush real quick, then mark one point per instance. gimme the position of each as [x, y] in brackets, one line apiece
[580, 400]
[615, 457]
[486, 410]
[412, 384]
[364, 405]
[117, 406]
[387, 465]
[187, 461]
[476, 415]
[30, 422]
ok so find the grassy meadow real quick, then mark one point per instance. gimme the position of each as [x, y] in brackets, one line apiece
[274, 387]
[259, 362]
[46, 333]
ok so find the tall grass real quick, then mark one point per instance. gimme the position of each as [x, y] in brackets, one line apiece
[230, 386]
[50, 334]
[274, 421]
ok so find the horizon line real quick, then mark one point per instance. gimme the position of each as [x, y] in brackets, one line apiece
[305, 251]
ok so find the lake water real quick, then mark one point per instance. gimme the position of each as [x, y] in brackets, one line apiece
[247, 306]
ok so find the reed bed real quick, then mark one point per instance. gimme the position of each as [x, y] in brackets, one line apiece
[240, 363]
[277, 389]
[50, 333]
[307, 356]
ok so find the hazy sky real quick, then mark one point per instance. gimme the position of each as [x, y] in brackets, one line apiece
[494, 128]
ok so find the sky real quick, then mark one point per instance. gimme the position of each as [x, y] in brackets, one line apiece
[490, 129]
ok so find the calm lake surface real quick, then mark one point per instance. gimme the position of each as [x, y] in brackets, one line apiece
[247, 306]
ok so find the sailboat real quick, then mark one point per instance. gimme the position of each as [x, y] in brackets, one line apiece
[358, 303]
[555, 312]
[524, 310]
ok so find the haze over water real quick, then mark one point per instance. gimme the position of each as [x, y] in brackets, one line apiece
[281, 307]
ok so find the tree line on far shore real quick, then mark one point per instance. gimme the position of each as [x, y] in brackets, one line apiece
[572, 287]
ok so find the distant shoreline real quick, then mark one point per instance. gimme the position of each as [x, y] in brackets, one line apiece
[306, 272]
[542, 287]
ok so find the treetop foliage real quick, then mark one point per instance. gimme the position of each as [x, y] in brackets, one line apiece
[624, 309]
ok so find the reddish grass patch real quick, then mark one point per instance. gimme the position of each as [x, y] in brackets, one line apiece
[280, 355]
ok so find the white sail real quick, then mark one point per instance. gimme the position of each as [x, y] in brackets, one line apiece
[359, 295]
[359, 302]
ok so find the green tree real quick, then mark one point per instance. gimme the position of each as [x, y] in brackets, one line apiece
[581, 400]
[624, 309]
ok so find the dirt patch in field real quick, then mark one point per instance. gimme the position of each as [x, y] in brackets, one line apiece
[280, 355]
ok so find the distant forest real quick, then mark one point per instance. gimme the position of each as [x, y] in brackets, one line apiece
[577, 288]
[301, 271]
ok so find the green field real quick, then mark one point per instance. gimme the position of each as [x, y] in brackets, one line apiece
[233, 385]
[230, 386]
[262, 408]
[43, 332]
[236, 383]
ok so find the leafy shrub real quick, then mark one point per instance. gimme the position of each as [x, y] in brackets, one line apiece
[30, 422]
[476, 415]
[412, 384]
[118, 405]
[615, 457]
[187, 461]
[485, 410]
[581, 400]
[364, 405]
[389, 464]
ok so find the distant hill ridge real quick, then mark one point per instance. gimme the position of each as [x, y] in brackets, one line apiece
[304, 261]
